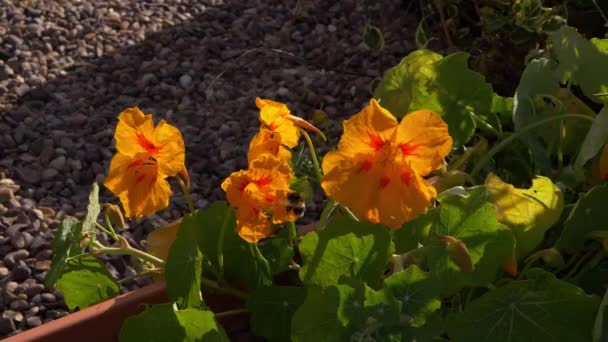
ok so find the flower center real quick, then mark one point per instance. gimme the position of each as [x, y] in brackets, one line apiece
[143, 170]
[146, 144]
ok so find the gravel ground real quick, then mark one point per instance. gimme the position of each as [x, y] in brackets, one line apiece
[68, 67]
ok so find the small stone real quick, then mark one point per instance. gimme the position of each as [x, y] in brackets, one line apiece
[57, 163]
[11, 258]
[49, 174]
[6, 194]
[21, 271]
[283, 91]
[54, 314]
[3, 272]
[28, 174]
[14, 315]
[34, 289]
[20, 305]
[48, 298]
[22, 240]
[42, 265]
[185, 81]
[7, 326]
[33, 321]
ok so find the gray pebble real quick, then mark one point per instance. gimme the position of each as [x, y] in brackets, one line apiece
[33, 321]
[11, 258]
[7, 325]
[20, 305]
[48, 298]
[21, 271]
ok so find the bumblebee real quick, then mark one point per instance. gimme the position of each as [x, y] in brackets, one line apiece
[295, 204]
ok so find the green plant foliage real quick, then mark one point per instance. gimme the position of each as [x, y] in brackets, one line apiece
[65, 243]
[595, 139]
[243, 263]
[589, 214]
[583, 62]
[396, 89]
[86, 281]
[373, 38]
[541, 308]
[344, 312]
[600, 326]
[93, 210]
[345, 249]
[414, 232]
[473, 221]
[184, 265]
[418, 293]
[528, 212]
[277, 251]
[272, 309]
[302, 186]
[165, 323]
[424, 80]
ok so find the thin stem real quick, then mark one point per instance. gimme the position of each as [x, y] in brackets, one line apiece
[139, 275]
[103, 229]
[484, 125]
[498, 147]
[313, 155]
[293, 233]
[579, 263]
[591, 264]
[226, 290]
[109, 225]
[125, 248]
[76, 256]
[231, 313]
[220, 249]
[186, 192]
[599, 9]
[349, 213]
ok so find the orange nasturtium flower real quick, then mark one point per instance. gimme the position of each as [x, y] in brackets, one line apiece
[260, 193]
[146, 156]
[378, 167]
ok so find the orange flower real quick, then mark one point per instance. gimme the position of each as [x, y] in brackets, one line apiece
[604, 163]
[378, 167]
[146, 156]
[258, 193]
[275, 117]
[267, 141]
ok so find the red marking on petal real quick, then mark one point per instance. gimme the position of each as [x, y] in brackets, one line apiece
[136, 163]
[408, 149]
[263, 181]
[406, 177]
[376, 141]
[384, 180]
[145, 143]
[270, 198]
[365, 166]
[140, 179]
[273, 126]
[243, 186]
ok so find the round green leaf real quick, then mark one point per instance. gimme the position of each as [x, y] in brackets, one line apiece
[272, 309]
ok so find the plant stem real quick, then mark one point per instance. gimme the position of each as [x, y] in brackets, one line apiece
[231, 313]
[139, 275]
[186, 192]
[103, 229]
[293, 233]
[579, 263]
[109, 225]
[591, 264]
[484, 125]
[498, 147]
[313, 154]
[220, 249]
[125, 248]
[226, 290]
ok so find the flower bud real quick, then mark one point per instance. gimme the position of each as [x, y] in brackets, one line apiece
[114, 214]
[458, 252]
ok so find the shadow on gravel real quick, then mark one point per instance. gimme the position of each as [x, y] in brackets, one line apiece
[59, 135]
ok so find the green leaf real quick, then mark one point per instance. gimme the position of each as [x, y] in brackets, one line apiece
[430, 331]
[184, 265]
[583, 62]
[345, 249]
[418, 293]
[595, 139]
[600, 326]
[343, 312]
[454, 91]
[542, 308]
[588, 215]
[538, 79]
[163, 322]
[302, 186]
[414, 232]
[528, 212]
[471, 220]
[503, 108]
[93, 210]
[65, 239]
[278, 251]
[244, 265]
[373, 38]
[86, 281]
[395, 90]
[272, 309]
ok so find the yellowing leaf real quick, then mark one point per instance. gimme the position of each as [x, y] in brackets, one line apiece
[528, 212]
[159, 240]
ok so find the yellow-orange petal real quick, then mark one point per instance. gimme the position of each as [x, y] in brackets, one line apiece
[389, 195]
[266, 141]
[424, 140]
[274, 116]
[171, 154]
[252, 224]
[134, 132]
[271, 171]
[234, 185]
[136, 181]
[604, 163]
[367, 130]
